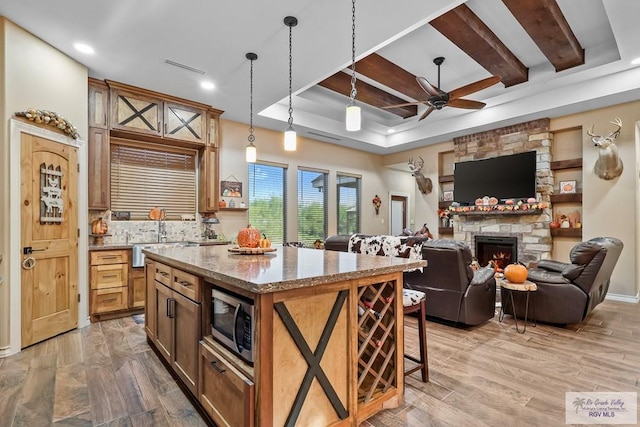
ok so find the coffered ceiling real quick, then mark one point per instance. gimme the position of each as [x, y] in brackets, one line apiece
[553, 57]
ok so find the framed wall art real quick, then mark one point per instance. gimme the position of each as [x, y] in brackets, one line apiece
[447, 196]
[567, 187]
[231, 188]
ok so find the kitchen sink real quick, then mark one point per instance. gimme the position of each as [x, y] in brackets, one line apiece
[137, 256]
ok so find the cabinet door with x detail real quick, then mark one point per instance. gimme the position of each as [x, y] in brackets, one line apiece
[184, 122]
[136, 113]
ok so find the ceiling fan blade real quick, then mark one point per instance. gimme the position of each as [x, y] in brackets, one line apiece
[427, 87]
[466, 103]
[406, 104]
[474, 87]
[426, 113]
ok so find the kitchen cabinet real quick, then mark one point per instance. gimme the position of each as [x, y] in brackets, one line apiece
[137, 288]
[109, 290]
[208, 180]
[150, 300]
[213, 131]
[185, 123]
[225, 393]
[177, 321]
[98, 165]
[98, 104]
[135, 111]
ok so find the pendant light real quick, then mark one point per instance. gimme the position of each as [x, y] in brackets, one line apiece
[250, 151]
[290, 138]
[353, 117]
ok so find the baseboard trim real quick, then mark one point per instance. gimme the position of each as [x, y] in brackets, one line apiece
[623, 298]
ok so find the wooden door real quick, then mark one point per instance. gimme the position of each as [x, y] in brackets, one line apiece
[187, 334]
[49, 235]
[164, 323]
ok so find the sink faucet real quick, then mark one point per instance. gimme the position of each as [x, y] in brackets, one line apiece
[162, 227]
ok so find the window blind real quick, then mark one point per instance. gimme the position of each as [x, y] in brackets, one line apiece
[267, 200]
[348, 192]
[312, 205]
[144, 177]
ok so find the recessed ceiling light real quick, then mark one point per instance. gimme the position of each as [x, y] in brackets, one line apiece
[636, 61]
[84, 48]
[207, 85]
[390, 130]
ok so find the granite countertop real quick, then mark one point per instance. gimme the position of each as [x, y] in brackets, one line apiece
[286, 268]
[120, 246]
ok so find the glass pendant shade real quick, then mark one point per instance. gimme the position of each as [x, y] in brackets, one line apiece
[251, 154]
[290, 139]
[353, 118]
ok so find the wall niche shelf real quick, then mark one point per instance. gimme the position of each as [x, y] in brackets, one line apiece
[445, 178]
[233, 209]
[566, 232]
[566, 198]
[445, 230]
[566, 164]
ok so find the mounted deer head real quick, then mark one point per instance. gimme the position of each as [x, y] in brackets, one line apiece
[609, 165]
[424, 184]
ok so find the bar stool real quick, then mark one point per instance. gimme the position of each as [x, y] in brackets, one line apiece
[414, 302]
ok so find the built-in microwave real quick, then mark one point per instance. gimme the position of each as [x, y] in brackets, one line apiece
[232, 322]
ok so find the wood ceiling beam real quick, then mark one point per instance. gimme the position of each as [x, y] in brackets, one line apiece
[465, 29]
[391, 75]
[341, 82]
[546, 25]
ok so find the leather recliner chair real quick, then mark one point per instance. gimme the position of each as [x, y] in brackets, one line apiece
[567, 292]
[454, 291]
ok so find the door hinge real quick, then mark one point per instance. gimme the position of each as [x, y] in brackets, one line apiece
[78, 232]
[78, 167]
[78, 297]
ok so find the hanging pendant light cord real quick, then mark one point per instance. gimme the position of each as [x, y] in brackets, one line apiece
[353, 52]
[251, 138]
[290, 79]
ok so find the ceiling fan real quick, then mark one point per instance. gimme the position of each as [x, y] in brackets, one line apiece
[439, 98]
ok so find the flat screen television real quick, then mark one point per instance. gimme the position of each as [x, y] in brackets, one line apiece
[504, 177]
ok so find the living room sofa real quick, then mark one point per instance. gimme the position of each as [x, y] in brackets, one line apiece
[455, 292]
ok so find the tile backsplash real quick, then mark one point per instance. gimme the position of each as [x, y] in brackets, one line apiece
[128, 232]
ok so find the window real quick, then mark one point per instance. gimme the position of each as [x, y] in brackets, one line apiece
[267, 200]
[312, 205]
[348, 203]
[144, 177]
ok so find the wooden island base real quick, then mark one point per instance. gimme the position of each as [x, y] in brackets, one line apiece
[327, 353]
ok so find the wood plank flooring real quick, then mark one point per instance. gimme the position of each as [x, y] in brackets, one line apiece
[106, 375]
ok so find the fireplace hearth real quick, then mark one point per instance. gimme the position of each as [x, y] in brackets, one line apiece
[501, 250]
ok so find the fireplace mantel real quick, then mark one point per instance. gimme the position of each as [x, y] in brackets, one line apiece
[496, 212]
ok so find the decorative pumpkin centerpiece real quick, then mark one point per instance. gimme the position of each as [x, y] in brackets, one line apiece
[99, 226]
[249, 237]
[515, 273]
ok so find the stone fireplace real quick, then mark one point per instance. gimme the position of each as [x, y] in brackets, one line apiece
[529, 229]
[501, 250]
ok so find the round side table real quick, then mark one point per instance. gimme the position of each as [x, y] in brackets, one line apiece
[527, 287]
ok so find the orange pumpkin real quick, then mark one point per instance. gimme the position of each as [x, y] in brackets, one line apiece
[99, 226]
[249, 237]
[515, 273]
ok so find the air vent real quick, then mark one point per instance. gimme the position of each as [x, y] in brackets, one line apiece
[323, 136]
[185, 67]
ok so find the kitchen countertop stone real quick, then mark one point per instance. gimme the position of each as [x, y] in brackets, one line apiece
[120, 246]
[286, 268]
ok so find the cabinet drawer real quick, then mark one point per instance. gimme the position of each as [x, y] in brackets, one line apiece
[110, 299]
[109, 276]
[163, 274]
[226, 394]
[187, 284]
[109, 257]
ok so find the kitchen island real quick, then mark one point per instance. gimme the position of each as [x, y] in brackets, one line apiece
[328, 332]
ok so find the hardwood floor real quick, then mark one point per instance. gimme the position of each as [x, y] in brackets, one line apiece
[106, 374]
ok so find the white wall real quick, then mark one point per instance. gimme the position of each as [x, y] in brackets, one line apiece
[39, 76]
[310, 153]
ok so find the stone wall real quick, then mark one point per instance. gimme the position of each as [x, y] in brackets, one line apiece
[531, 230]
